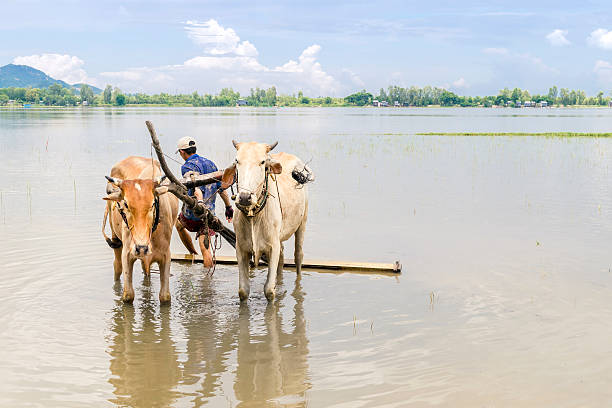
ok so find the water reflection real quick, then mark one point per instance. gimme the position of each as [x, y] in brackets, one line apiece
[273, 365]
[242, 354]
[143, 363]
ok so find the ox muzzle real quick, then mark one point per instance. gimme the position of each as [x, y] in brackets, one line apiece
[246, 199]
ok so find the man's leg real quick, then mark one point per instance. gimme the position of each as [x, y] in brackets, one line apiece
[208, 261]
[185, 237]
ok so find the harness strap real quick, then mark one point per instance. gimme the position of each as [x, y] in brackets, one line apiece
[156, 206]
[123, 216]
[261, 203]
[280, 203]
[155, 222]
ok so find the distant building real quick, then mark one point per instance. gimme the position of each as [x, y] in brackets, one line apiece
[396, 104]
[241, 102]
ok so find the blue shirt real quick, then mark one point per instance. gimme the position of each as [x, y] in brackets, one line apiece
[201, 165]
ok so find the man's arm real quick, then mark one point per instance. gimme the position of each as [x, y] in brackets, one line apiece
[198, 194]
[225, 198]
[229, 210]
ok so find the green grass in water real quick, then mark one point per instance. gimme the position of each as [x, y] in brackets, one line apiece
[546, 134]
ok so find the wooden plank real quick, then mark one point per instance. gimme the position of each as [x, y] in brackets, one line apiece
[307, 264]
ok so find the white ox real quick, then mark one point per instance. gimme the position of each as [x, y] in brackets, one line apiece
[268, 215]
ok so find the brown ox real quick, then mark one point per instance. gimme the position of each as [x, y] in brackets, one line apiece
[135, 200]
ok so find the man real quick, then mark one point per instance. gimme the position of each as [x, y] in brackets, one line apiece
[206, 195]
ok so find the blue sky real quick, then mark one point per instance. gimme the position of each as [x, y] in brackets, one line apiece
[321, 47]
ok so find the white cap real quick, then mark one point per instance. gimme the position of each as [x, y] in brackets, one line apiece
[185, 143]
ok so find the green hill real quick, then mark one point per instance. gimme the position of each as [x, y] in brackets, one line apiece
[23, 76]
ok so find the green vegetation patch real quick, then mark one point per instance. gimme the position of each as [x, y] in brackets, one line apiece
[545, 134]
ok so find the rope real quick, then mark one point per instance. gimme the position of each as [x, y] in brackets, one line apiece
[152, 164]
[211, 271]
[171, 158]
[279, 198]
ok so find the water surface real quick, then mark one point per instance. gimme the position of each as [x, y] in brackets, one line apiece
[504, 299]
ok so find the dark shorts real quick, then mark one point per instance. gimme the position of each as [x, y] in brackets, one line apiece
[196, 226]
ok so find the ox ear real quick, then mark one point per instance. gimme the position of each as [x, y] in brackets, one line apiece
[275, 166]
[114, 196]
[270, 147]
[161, 190]
[236, 144]
[228, 176]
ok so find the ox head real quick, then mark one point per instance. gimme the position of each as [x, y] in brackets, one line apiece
[252, 162]
[136, 198]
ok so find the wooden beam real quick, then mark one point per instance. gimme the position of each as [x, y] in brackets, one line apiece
[367, 267]
[179, 189]
[160, 156]
[202, 179]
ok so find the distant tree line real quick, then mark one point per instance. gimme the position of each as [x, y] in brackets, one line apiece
[427, 96]
[56, 95]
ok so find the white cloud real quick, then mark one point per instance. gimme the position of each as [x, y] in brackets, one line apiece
[228, 61]
[460, 83]
[507, 14]
[557, 38]
[496, 51]
[396, 30]
[65, 67]
[218, 40]
[352, 77]
[123, 12]
[138, 74]
[523, 59]
[308, 70]
[239, 64]
[601, 38]
[603, 70]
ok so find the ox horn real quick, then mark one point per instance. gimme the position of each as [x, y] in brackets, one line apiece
[272, 146]
[115, 181]
[236, 144]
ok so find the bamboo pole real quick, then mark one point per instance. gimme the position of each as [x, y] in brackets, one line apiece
[339, 266]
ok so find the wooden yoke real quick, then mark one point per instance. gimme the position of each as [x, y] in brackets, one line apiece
[179, 189]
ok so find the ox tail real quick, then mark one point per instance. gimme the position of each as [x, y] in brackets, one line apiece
[311, 175]
[114, 242]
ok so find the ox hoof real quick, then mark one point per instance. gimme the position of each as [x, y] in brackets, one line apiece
[243, 294]
[269, 295]
[164, 298]
[127, 297]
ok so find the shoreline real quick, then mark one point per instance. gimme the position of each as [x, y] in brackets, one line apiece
[42, 107]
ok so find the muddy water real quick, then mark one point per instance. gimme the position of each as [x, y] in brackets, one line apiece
[504, 301]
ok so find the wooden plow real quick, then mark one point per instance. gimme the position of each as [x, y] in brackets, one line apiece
[180, 187]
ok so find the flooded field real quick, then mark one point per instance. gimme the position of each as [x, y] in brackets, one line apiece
[505, 299]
